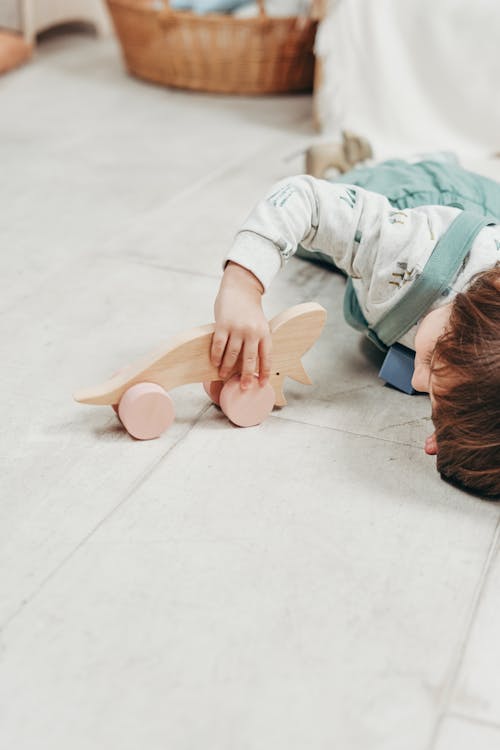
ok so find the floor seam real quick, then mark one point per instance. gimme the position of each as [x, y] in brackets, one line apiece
[473, 720]
[345, 432]
[161, 267]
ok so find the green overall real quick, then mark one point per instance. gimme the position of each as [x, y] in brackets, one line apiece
[425, 183]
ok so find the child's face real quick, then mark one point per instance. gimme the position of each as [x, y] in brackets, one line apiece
[429, 330]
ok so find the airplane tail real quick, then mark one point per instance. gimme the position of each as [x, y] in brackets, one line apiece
[298, 373]
[294, 331]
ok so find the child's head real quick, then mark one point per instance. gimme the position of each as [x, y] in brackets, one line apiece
[465, 388]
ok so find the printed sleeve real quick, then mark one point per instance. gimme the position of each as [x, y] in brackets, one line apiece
[318, 214]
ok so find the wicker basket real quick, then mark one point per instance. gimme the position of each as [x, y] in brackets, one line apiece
[215, 52]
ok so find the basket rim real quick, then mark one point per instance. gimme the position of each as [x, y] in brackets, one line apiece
[166, 16]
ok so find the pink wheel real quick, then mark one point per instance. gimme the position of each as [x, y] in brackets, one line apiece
[246, 408]
[213, 389]
[146, 410]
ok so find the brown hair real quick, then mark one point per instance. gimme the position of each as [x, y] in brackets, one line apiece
[467, 414]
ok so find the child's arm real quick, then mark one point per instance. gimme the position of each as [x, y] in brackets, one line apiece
[315, 213]
[290, 214]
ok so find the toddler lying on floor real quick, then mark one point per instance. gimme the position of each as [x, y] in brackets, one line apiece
[385, 226]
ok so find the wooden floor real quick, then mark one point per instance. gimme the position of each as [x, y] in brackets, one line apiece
[310, 583]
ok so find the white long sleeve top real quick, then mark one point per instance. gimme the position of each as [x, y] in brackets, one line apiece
[383, 249]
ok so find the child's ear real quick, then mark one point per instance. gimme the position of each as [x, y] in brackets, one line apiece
[430, 446]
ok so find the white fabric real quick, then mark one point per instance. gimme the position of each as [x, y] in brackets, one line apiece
[384, 250]
[412, 74]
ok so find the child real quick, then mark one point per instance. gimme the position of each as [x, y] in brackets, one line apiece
[386, 227]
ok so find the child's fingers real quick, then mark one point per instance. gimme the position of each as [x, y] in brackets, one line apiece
[233, 348]
[249, 362]
[265, 348]
[219, 341]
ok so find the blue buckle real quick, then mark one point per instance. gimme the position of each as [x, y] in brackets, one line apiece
[398, 367]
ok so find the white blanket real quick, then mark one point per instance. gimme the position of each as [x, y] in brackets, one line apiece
[413, 74]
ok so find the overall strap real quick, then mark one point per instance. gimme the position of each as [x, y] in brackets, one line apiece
[439, 271]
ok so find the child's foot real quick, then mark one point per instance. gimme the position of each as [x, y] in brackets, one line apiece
[356, 148]
[340, 156]
[323, 156]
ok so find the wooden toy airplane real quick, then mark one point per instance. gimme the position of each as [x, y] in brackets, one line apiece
[138, 392]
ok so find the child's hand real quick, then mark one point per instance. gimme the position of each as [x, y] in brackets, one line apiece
[240, 326]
